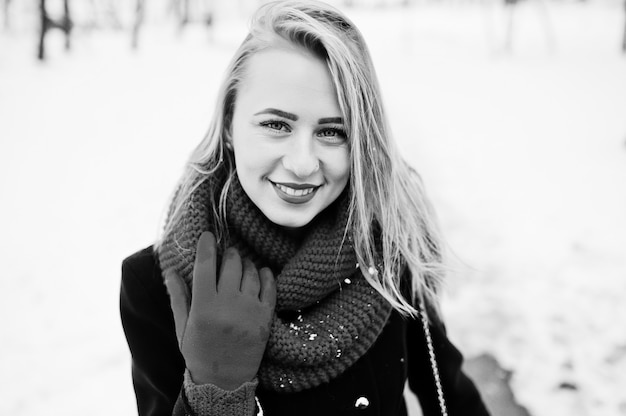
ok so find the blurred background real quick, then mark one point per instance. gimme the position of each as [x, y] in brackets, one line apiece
[513, 111]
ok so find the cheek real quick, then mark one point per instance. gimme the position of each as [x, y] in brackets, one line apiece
[252, 155]
[337, 164]
[245, 147]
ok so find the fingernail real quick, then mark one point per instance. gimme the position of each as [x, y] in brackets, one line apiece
[230, 252]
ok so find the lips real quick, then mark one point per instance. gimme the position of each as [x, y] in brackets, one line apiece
[292, 191]
[295, 193]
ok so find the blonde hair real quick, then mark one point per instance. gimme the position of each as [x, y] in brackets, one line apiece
[389, 212]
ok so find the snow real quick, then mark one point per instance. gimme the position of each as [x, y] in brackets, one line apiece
[523, 153]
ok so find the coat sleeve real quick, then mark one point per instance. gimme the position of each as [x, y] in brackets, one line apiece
[157, 364]
[460, 394]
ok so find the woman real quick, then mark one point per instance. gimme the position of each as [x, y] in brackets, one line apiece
[324, 239]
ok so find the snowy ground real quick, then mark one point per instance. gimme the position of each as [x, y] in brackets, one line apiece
[524, 154]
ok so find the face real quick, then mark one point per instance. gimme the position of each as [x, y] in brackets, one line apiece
[290, 146]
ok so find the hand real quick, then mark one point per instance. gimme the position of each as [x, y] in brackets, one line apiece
[223, 330]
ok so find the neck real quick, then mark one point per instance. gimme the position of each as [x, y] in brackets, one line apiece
[296, 233]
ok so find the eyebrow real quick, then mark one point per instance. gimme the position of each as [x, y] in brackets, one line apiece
[279, 113]
[293, 117]
[330, 120]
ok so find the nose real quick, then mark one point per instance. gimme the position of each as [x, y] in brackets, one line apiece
[300, 157]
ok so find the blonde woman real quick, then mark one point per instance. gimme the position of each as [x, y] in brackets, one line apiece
[297, 272]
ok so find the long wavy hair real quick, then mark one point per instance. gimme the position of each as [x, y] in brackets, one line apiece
[391, 221]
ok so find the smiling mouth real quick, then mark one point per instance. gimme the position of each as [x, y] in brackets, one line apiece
[295, 193]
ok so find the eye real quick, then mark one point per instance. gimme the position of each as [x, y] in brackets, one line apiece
[276, 126]
[332, 135]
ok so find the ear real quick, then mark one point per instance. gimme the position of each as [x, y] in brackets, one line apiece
[227, 137]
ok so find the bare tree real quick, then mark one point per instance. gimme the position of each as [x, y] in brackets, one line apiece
[140, 11]
[542, 10]
[5, 6]
[47, 23]
[188, 11]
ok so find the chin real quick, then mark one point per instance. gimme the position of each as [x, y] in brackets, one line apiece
[291, 223]
[286, 220]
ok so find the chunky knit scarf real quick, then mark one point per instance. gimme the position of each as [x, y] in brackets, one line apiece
[327, 315]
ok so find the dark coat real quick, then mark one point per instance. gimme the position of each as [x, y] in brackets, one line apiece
[379, 376]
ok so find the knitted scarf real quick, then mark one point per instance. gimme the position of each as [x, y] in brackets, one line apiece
[327, 315]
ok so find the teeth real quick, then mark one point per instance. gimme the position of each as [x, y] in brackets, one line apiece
[294, 192]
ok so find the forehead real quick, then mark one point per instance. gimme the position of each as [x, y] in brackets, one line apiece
[287, 74]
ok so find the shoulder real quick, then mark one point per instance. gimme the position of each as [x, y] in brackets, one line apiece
[144, 259]
[141, 270]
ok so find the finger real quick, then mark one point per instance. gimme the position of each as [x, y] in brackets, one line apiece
[268, 287]
[230, 273]
[179, 302]
[250, 283]
[204, 276]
